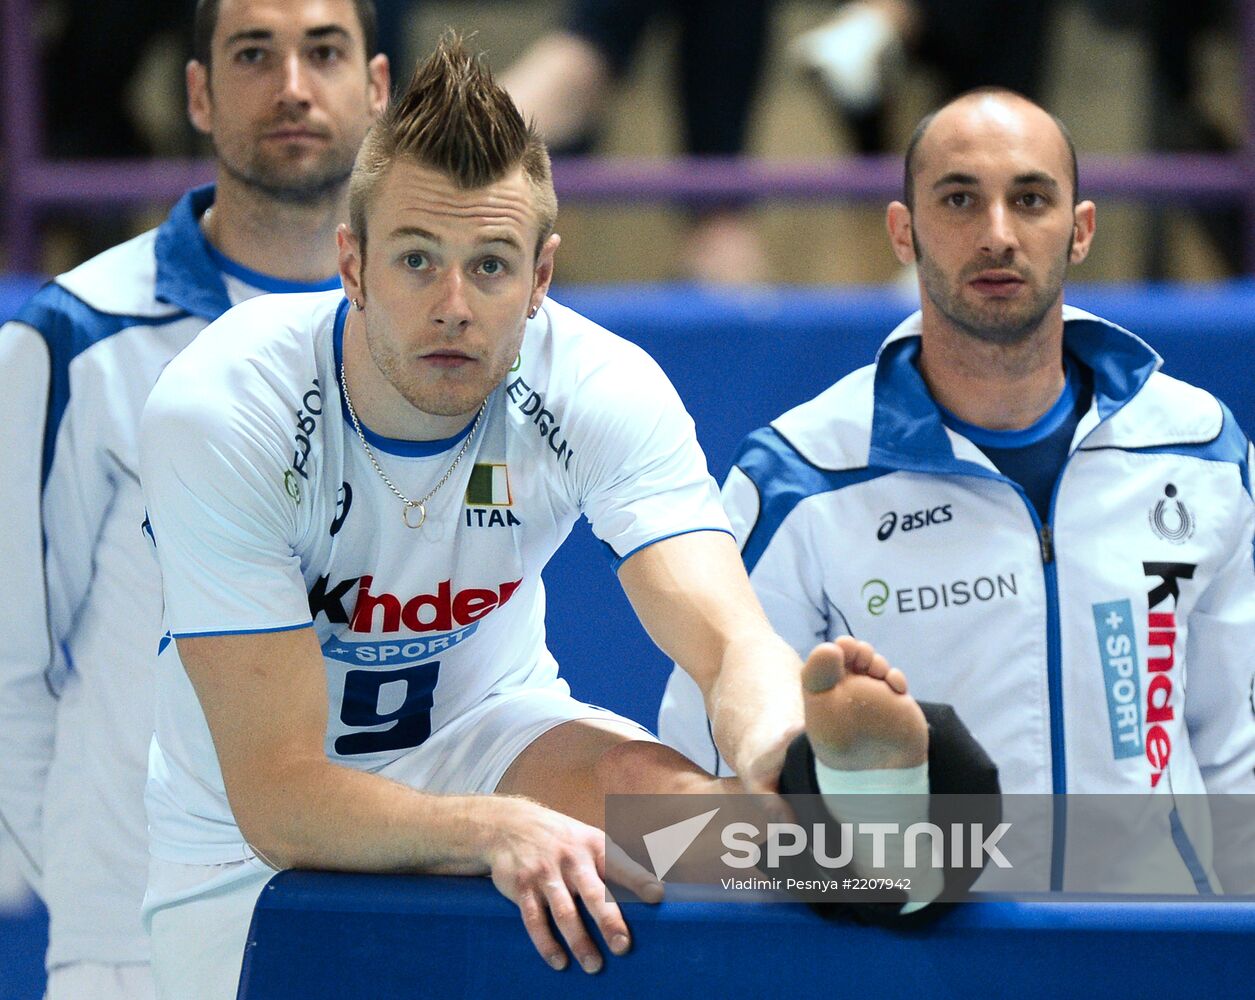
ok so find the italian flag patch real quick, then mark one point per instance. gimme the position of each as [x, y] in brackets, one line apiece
[489, 486]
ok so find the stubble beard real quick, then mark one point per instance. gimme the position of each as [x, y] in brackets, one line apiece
[312, 183]
[431, 401]
[997, 323]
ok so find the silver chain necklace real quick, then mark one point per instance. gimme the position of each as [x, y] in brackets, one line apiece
[409, 505]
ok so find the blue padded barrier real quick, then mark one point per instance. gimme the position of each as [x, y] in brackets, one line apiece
[320, 936]
[23, 940]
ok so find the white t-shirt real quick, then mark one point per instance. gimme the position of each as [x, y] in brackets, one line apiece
[267, 515]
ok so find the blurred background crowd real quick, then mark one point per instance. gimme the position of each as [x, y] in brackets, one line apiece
[774, 79]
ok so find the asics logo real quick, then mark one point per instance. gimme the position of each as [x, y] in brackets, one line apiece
[912, 520]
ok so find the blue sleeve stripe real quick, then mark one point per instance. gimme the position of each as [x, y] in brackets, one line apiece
[70, 326]
[784, 478]
[242, 631]
[616, 562]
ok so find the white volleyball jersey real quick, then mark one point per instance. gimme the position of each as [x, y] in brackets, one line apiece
[268, 515]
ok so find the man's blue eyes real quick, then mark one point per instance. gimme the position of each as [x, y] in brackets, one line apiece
[492, 266]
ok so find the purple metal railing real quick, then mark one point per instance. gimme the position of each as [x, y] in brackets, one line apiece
[32, 183]
[1180, 177]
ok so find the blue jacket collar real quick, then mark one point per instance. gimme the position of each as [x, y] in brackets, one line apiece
[187, 276]
[907, 432]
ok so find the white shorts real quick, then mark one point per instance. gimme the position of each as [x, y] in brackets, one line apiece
[472, 753]
[199, 915]
[100, 981]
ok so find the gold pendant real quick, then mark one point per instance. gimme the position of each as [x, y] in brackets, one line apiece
[422, 514]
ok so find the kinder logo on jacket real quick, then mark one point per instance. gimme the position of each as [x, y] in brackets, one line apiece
[1161, 641]
[1139, 716]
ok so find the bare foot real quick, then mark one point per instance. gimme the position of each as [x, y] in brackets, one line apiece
[858, 713]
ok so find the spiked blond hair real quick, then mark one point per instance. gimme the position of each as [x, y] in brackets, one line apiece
[455, 119]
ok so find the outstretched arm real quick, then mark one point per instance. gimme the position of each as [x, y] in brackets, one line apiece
[693, 597]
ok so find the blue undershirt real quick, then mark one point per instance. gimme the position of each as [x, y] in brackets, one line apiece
[266, 282]
[1034, 457]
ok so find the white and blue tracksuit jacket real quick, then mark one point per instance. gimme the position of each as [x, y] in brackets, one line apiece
[79, 635]
[1109, 650]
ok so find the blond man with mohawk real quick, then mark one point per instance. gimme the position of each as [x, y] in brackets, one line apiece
[352, 499]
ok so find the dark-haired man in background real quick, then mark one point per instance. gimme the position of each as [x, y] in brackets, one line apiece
[286, 89]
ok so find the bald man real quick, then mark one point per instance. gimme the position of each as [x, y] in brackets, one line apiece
[1018, 508]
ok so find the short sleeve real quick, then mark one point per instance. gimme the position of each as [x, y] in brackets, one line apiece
[213, 465]
[642, 476]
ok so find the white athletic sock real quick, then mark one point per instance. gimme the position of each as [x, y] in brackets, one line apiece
[890, 795]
